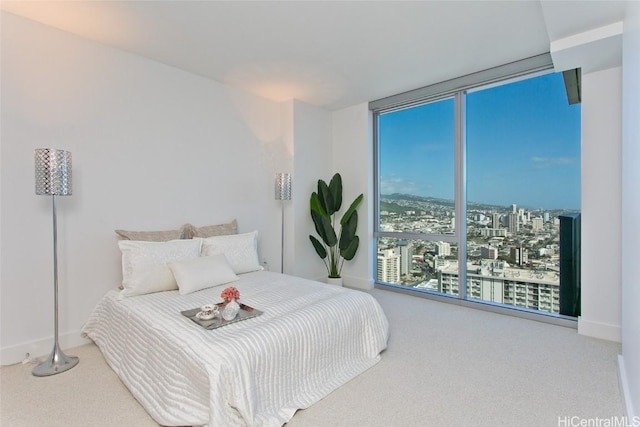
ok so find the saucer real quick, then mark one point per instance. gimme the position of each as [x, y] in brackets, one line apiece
[201, 316]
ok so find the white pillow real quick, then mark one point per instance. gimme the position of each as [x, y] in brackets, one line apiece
[241, 250]
[144, 264]
[201, 273]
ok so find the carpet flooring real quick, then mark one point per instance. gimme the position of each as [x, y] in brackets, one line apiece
[445, 365]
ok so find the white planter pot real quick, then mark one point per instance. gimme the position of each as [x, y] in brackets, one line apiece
[334, 281]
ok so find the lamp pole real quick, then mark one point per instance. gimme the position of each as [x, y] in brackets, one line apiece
[53, 177]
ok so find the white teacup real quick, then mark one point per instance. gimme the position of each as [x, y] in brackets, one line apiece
[209, 310]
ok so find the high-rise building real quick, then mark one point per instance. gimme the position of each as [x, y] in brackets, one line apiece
[545, 216]
[489, 252]
[440, 262]
[443, 249]
[513, 208]
[520, 255]
[495, 220]
[514, 224]
[388, 266]
[522, 217]
[537, 224]
[520, 290]
[493, 232]
[406, 256]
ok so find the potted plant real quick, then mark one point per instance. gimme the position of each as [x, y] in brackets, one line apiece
[334, 247]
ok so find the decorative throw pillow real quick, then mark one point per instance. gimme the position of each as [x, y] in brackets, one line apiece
[201, 273]
[150, 236]
[144, 264]
[241, 250]
[212, 230]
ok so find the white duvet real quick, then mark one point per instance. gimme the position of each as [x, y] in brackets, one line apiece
[311, 339]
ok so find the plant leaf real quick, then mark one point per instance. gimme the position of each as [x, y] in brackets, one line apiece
[351, 209]
[316, 205]
[324, 229]
[320, 250]
[351, 250]
[348, 231]
[326, 199]
[335, 186]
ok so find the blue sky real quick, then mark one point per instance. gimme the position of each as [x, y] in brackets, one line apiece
[523, 147]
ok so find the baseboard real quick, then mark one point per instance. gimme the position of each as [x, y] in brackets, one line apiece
[624, 386]
[352, 282]
[41, 348]
[357, 283]
[599, 330]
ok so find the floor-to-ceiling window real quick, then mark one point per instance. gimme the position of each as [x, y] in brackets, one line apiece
[416, 208]
[474, 178]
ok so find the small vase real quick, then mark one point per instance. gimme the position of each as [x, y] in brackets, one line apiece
[230, 310]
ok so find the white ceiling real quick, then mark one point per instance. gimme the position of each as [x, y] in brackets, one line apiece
[327, 53]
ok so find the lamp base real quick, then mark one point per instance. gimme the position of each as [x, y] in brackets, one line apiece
[56, 363]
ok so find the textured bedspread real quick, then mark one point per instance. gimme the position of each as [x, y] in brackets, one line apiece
[311, 339]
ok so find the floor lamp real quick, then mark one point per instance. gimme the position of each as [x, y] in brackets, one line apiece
[53, 178]
[283, 192]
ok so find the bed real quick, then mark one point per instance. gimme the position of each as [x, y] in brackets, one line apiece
[311, 339]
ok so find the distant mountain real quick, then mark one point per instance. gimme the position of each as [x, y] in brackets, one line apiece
[434, 200]
[389, 204]
[401, 203]
[394, 207]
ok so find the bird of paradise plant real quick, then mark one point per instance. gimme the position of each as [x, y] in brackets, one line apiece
[334, 248]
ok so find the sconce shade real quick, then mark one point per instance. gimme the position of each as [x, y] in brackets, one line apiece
[53, 172]
[283, 186]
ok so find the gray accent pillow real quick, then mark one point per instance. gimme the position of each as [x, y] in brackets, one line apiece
[210, 230]
[151, 236]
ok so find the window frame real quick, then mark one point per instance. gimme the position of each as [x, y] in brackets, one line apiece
[455, 88]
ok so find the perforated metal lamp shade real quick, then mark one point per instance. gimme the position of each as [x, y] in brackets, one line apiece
[283, 192]
[53, 178]
[283, 186]
[53, 172]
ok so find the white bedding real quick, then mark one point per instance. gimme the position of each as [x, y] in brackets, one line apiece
[311, 339]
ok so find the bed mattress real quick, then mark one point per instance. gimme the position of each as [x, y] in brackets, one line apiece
[311, 339]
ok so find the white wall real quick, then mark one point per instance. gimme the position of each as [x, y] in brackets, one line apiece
[353, 158]
[153, 147]
[601, 204]
[326, 143]
[630, 359]
[312, 152]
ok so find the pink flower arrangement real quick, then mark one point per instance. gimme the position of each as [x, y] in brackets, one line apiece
[230, 293]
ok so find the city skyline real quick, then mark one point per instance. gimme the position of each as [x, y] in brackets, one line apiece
[523, 147]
